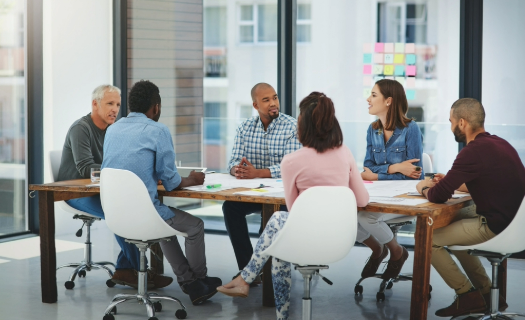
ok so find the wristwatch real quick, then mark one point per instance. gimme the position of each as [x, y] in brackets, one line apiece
[424, 188]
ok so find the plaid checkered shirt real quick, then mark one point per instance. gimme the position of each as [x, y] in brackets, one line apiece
[265, 149]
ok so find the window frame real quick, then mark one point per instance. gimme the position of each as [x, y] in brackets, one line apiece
[254, 23]
[304, 22]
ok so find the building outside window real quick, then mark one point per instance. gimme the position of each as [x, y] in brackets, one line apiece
[258, 23]
[304, 22]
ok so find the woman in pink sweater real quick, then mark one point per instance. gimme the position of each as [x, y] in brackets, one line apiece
[323, 161]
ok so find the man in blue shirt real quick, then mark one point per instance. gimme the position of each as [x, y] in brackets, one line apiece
[140, 144]
[260, 144]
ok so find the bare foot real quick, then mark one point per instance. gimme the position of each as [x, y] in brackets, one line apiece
[235, 288]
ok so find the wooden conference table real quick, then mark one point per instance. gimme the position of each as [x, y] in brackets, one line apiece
[429, 216]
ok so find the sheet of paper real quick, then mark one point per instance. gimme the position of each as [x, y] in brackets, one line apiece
[398, 201]
[265, 192]
[391, 188]
[228, 181]
[93, 185]
[454, 196]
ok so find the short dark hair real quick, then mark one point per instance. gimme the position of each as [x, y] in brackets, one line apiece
[318, 127]
[142, 96]
[396, 115]
[471, 110]
[255, 87]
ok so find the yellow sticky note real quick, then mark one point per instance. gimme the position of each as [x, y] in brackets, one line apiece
[389, 70]
[378, 69]
[399, 58]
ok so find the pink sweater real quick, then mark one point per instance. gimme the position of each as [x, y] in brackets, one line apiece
[305, 168]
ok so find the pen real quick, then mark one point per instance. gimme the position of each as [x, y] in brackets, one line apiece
[212, 186]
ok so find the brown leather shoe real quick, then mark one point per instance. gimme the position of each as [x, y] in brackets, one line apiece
[373, 264]
[468, 302]
[159, 281]
[129, 277]
[502, 303]
[394, 267]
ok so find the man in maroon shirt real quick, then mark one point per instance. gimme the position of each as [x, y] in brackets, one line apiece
[490, 169]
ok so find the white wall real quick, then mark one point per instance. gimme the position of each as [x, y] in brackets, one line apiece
[77, 58]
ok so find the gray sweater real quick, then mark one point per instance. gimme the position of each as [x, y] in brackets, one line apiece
[82, 150]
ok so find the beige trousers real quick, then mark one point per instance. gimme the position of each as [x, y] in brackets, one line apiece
[462, 232]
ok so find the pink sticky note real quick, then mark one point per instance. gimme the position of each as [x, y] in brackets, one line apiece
[380, 47]
[410, 70]
[410, 82]
[410, 48]
[378, 58]
[367, 81]
[367, 69]
[389, 47]
[367, 48]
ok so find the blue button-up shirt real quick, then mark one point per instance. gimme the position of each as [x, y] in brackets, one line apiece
[265, 149]
[144, 147]
[405, 144]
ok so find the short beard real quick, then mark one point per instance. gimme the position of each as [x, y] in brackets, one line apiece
[460, 136]
[273, 116]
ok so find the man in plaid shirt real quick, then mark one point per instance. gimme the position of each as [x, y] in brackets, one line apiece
[260, 144]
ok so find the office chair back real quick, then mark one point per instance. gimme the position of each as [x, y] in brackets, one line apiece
[128, 208]
[55, 157]
[427, 164]
[321, 227]
[510, 240]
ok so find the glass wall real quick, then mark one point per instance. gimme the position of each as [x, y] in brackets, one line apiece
[13, 217]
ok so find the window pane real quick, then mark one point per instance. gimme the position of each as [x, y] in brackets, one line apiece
[246, 33]
[12, 119]
[267, 20]
[246, 13]
[303, 33]
[215, 26]
[303, 11]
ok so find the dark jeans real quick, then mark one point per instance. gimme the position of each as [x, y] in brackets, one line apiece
[235, 219]
[129, 257]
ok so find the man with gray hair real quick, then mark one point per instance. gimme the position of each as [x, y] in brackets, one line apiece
[490, 169]
[83, 151]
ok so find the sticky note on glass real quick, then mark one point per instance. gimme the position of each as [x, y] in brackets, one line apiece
[379, 47]
[389, 70]
[399, 58]
[399, 71]
[400, 47]
[367, 48]
[367, 93]
[367, 69]
[367, 81]
[378, 69]
[401, 80]
[389, 47]
[367, 58]
[411, 94]
[377, 78]
[411, 70]
[411, 59]
[389, 58]
[378, 58]
[410, 48]
[410, 82]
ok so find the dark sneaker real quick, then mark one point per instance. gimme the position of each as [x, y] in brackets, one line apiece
[257, 281]
[158, 280]
[129, 277]
[198, 291]
[212, 282]
[502, 303]
[468, 302]
[373, 264]
[394, 267]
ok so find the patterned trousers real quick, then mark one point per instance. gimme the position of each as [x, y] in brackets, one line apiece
[281, 270]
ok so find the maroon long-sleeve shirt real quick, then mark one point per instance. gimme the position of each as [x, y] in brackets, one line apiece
[495, 178]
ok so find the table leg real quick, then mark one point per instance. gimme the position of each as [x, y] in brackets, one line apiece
[267, 286]
[48, 261]
[155, 264]
[421, 272]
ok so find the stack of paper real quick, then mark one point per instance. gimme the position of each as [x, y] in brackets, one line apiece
[227, 181]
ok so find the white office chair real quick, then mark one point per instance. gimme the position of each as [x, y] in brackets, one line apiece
[87, 264]
[497, 249]
[395, 225]
[320, 229]
[130, 214]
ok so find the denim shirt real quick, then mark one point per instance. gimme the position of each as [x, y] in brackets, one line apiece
[405, 144]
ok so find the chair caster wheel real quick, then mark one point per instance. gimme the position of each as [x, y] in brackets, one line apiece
[82, 274]
[358, 289]
[114, 310]
[429, 288]
[181, 314]
[390, 285]
[380, 296]
[69, 284]
[158, 306]
[108, 317]
[110, 283]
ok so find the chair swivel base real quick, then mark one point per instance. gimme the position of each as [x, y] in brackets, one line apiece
[385, 284]
[482, 316]
[82, 267]
[149, 299]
